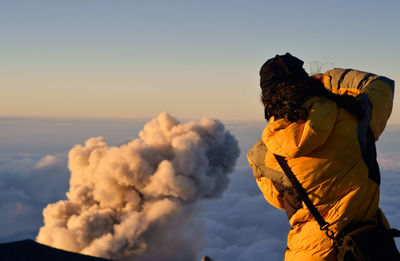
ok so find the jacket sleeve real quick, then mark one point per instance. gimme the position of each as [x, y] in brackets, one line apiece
[271, 194]
[263, 175]
[378, 89]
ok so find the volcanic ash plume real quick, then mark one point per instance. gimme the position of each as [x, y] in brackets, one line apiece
[137, 201]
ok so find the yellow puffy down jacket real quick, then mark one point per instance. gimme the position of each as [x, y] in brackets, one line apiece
[327, 153]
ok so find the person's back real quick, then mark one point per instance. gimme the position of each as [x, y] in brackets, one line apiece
[330, 149]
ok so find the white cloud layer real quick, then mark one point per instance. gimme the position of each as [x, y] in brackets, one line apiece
[25, 190]
[48, 161]
[240, 225]
[389, 161]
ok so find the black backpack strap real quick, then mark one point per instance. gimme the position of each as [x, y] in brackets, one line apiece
[394, 232]
[303, 194]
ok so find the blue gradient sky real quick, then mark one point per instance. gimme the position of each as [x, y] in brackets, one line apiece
[191, 58]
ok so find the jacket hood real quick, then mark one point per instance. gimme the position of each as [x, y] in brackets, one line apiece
[293, 139]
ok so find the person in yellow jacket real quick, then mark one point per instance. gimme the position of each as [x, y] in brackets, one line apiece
[326, 127]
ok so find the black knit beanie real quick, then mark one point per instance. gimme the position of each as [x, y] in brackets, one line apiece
[281, 68]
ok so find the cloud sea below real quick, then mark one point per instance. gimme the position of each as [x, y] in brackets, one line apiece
[240, 225]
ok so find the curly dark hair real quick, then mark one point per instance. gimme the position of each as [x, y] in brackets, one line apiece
[285, 99]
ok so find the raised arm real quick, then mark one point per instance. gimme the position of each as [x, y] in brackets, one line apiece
[378, 89]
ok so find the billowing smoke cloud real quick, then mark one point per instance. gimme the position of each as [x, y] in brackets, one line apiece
[138, 199]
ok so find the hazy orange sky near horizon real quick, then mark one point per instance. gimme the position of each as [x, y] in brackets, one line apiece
[131, 59]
